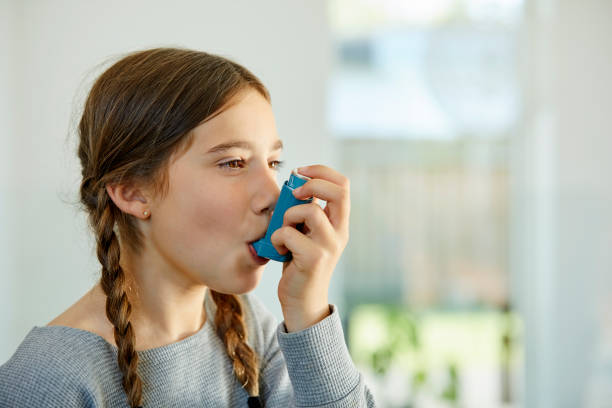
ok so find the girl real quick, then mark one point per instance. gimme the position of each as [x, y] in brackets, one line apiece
[179, 154]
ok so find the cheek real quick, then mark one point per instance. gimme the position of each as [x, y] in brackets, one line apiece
[215, 214]
[209, 214]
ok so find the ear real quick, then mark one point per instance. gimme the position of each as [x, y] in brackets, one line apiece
[129, 199]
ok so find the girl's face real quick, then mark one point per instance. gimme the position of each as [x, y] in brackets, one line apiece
[222, 191]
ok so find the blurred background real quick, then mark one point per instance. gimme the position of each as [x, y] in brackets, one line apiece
[477, 135]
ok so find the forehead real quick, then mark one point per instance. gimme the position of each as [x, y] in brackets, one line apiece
[245, 122]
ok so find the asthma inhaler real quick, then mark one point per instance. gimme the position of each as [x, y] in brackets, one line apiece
[264, 247]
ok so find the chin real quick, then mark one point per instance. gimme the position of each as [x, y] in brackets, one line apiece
[249, 285]
[242, 284]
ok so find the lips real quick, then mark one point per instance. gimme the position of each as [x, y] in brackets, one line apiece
[258, 259]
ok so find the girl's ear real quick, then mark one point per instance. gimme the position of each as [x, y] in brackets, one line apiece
[129, 199]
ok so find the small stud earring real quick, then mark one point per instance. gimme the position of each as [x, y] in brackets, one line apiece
[145, 213]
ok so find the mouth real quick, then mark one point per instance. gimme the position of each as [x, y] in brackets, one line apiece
[258, 259]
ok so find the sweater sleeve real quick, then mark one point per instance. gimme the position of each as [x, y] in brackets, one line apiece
[312, 368]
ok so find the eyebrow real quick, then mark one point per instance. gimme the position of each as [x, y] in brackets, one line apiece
[223, 147]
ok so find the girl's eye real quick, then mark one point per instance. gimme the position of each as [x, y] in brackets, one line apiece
[278, 164]
[238, 164]
[230, 164]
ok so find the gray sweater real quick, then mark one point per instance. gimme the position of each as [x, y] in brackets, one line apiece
[58, 366]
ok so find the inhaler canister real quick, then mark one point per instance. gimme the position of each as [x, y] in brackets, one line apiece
[264, 247]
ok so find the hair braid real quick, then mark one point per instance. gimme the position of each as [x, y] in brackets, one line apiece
[231, 329]
[118, 308]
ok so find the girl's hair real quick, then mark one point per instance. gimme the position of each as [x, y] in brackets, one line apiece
[138, 114]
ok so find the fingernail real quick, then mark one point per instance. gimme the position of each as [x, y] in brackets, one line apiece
[297, 191]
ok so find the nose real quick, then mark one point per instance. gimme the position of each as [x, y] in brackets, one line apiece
[265, 191]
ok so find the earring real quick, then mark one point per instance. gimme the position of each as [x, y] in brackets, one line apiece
[145, 213]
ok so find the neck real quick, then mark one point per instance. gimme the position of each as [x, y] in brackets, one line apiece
[166, 306]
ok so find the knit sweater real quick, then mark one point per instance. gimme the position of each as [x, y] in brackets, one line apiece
[58, 366]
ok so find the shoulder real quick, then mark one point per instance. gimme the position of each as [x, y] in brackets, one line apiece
[88, 314]
[52, 366]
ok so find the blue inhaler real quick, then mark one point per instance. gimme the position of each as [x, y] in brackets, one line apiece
[264, 247]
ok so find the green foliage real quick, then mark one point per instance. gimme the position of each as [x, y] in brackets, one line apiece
[451, 390]
[382, 336]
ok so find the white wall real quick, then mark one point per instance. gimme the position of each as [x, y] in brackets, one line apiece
[57, 45]
[9, 15]
[563, 201]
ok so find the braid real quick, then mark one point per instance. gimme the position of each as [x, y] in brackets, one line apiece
[231, 329]
[118, 308]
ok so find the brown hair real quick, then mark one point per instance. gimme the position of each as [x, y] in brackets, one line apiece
[138, 114]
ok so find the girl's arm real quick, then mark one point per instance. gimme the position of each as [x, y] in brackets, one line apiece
[313, 368]
[313, 353]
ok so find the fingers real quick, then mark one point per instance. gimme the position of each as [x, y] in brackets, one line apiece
[319, 229]
[317, 223]
[326, 173]
[331, 186]
[322, 189]
[289, 239]
[327, 228]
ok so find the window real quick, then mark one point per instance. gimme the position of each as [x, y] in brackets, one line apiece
[423, 101]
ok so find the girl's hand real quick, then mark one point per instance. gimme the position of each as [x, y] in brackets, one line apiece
[303, 288]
